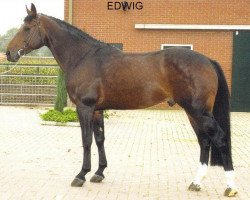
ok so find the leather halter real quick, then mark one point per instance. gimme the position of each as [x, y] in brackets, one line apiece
[27, 45]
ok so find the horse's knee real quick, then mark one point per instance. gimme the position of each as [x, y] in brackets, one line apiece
[99, 132]
[99, 135]
[100, 143]
[87, 144]
[87, 147]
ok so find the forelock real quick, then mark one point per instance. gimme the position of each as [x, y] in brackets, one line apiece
[29, 18]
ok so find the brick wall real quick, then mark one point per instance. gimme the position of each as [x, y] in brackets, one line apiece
[113, 26]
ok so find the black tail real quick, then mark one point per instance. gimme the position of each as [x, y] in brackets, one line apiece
[221, 113]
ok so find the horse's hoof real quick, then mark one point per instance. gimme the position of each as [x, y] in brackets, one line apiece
[96, 178]
[77, 182]
[194, 187]
[229, 192]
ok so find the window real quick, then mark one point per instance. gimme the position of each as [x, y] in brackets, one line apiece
[117, 45]
[188, 46]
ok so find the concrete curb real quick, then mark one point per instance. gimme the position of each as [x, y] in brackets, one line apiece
[69, 124]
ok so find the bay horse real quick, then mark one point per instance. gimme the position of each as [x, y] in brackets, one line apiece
[100, 77]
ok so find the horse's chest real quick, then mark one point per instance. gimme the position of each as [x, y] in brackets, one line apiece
[80, 89]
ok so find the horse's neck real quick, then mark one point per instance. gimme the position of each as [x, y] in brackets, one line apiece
[66, 49]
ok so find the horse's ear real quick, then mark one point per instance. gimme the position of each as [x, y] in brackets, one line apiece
[28, 10]
[33, 10]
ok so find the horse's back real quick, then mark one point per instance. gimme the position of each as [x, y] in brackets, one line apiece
[130, 81]
[133, 81]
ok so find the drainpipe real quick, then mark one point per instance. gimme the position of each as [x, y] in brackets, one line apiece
[70, 21]
[70, 18]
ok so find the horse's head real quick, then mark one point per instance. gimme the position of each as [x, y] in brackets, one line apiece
[28, 38]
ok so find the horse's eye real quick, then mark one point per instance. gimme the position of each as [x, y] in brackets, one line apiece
[26, 29]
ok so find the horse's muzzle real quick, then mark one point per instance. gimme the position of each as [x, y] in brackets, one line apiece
[13, 56]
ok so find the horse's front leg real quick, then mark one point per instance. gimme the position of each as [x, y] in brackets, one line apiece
[85, 114]
[99, 139]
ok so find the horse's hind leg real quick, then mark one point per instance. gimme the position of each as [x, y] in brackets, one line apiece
[99, 139]
[207, 123]
[204, 143]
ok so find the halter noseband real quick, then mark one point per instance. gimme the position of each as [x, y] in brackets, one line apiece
[22, 51]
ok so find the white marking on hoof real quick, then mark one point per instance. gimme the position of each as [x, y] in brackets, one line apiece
[202, 171]
[230, 179]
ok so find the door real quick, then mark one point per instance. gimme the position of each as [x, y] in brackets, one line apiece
[240, 101]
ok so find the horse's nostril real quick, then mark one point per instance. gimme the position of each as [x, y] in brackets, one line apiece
[7, 53]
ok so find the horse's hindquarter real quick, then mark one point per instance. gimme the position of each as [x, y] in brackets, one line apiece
[191, 76]
[135, 81]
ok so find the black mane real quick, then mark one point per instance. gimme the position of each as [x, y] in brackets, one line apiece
[77, 32]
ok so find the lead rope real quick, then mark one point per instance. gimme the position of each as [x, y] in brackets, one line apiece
[9, 69]
[20, 52]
